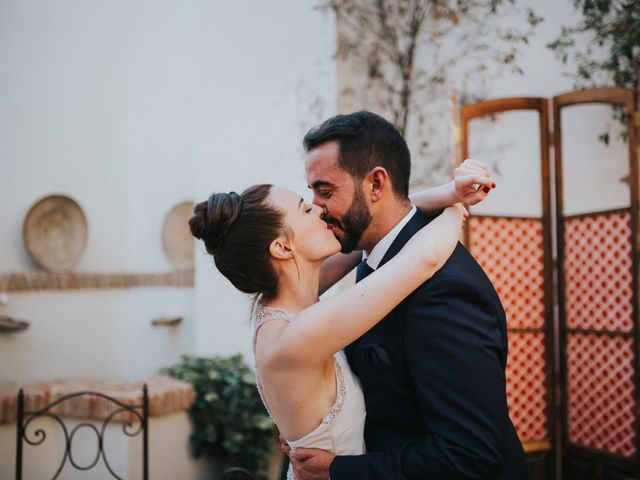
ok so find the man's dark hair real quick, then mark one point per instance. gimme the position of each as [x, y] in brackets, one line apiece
[366, 141]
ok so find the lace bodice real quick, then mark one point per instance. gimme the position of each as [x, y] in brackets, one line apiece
[341, 429]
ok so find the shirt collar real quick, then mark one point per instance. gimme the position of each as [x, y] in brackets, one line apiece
[378, 252]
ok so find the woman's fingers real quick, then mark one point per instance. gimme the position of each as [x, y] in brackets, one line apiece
[474, 179]
[471, 168]
[476, 164]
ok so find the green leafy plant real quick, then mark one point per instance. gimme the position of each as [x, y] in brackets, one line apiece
[230, 424]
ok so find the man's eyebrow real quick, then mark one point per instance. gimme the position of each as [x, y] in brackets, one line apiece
[321, 183]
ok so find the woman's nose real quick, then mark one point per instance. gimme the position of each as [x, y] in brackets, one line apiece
[321, 211]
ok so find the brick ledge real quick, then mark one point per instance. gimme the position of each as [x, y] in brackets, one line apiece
[166, 395]
[25, 281]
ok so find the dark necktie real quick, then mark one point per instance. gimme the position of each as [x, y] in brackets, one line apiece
[363, 270]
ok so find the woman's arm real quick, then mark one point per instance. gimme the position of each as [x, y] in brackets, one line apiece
[335, 267]
[471, 184]
[329, 325]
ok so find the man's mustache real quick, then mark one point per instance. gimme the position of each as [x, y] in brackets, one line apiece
[332, 221]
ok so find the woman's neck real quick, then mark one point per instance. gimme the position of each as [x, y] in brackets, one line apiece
[297, 289]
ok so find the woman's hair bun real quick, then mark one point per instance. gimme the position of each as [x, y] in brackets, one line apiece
[213, 219]
[237, 231]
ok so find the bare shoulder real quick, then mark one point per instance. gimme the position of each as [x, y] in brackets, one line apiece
[267, 347]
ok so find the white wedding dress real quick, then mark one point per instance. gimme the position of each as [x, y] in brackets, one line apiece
[342, 427]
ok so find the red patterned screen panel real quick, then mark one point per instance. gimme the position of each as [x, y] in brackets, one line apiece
[598, 276]
[600, 365]
[510, 250]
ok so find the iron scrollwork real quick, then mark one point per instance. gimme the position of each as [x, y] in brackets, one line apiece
[138, 415]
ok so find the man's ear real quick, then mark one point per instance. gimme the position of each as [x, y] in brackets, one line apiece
[280, 249]
[378, 180]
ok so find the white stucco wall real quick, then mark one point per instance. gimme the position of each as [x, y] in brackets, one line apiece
[510, 141]
[130, 108]
[274, 79]
[592, 171]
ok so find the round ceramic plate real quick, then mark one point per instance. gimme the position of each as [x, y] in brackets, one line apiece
[55, 232]
[177, 241]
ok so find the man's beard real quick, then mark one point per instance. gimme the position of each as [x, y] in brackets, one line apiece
[354, 222]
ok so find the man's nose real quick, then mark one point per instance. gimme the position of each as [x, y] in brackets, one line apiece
[318, 200]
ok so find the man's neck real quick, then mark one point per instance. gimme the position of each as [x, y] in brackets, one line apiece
[383, 222]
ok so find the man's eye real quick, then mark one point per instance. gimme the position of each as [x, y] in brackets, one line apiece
[325, 193]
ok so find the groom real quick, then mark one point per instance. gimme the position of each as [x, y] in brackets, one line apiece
[433, 370]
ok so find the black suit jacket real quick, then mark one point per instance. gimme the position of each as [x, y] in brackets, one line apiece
[433, 375]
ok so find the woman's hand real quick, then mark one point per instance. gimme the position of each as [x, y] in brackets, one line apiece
[472, 182]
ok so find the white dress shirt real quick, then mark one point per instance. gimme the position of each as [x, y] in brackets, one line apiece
[379, 251]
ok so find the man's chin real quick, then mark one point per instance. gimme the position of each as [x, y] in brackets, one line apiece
[347, 245]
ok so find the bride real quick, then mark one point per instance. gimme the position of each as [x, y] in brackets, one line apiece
[269, 242]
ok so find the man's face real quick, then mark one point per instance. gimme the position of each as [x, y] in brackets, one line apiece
[339, 194]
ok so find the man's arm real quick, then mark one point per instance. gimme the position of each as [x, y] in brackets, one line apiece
[454, 352]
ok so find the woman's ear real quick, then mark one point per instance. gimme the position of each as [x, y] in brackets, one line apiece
[378, 179]
[280, 249]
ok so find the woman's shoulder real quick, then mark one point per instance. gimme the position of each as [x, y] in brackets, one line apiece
[263, 314]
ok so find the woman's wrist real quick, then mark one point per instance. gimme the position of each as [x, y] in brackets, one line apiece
[455, 196]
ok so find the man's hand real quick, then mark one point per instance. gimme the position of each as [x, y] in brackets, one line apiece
[311, 463]
[472, 181]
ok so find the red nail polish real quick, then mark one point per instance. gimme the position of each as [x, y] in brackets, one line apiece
[486, 189]
[493, 185]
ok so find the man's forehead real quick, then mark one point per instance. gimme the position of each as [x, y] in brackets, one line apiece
[325, 173]
[323, 161]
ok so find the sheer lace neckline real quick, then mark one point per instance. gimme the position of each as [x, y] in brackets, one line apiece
[264, 314]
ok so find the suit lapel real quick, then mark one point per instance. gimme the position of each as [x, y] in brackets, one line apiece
[416, 222]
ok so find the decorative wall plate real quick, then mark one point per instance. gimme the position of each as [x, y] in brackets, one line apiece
[55, 232]
[177, 241]
[11, 325]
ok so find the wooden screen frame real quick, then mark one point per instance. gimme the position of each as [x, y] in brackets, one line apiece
[626, 99]
[541, 106]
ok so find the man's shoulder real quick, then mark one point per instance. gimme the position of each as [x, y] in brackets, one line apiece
[460, 277]
[461, 266]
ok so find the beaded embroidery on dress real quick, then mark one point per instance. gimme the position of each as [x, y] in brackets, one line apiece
[341, 429]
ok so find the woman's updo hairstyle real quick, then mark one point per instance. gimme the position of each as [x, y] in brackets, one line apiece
[238, 230]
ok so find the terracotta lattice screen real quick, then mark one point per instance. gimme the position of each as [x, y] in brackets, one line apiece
[598, 299]
[510, 250]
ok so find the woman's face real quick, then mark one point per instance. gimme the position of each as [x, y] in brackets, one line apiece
[311, 237]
